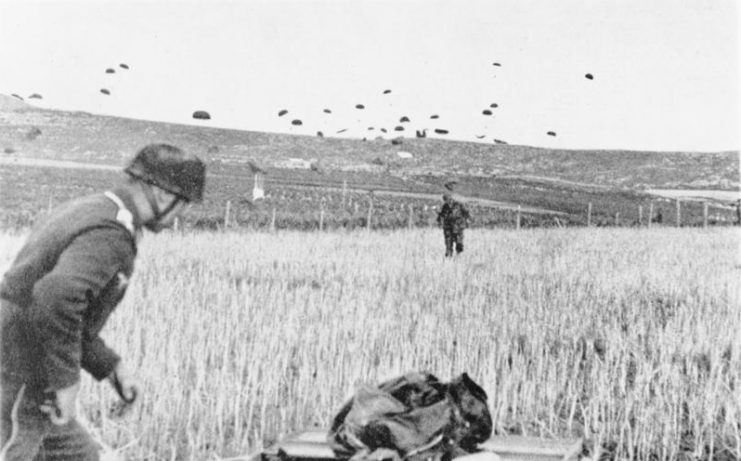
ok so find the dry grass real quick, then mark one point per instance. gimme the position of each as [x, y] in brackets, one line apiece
[627, 337]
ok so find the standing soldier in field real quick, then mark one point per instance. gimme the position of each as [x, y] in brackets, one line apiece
[453, 217]
[56, 297]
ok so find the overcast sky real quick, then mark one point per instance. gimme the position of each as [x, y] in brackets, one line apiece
[665, 72]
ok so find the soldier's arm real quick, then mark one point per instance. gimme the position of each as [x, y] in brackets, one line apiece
[98, 359]
[466, 214]
[61, 297]
[441, 214]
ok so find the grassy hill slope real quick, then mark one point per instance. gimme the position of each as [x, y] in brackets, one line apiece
[559, 180]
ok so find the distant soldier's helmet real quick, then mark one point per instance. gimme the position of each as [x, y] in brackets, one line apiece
[171, 169]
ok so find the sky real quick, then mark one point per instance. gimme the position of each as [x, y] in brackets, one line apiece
[665, 72]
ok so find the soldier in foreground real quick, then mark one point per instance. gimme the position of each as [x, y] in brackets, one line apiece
[453, 217]
[56, 297]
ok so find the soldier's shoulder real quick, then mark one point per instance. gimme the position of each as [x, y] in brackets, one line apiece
[93, 211]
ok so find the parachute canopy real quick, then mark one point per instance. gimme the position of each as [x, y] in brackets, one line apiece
[255, 168]
[496, 64]
[33, 133]
[297, 122]
[386, 91]
[486, 112]
[499, 141]
[404, 119]
[441, 131]
[16, 96]
[123, 66]
[434, 116]
[480, 136]
[282, 113]
[342, 130]
[327, 111]
[110, 70]
[494, 105]
[201, 115]
[399, 128]
[105, 91]
[384, 130]
[589, 76]
[551, 133]
[359, 106]
[35, 96]
[320, 134]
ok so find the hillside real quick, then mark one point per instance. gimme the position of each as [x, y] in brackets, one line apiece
[497, 175]
[82, 136]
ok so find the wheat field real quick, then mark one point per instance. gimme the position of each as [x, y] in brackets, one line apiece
[626, 337]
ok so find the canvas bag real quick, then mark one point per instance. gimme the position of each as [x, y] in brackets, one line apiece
[413, 417]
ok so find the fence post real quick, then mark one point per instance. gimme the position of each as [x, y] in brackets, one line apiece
[272, 221]
[650, 213]
[589, 214]
[344, 192]
[679, 213]
[51, 203]
[640, 215]
[176, 224]
[519, 217]
[321, 218]
[411, 216]
[704, 214]
[617, 218]
[227, 212]
[370, 214]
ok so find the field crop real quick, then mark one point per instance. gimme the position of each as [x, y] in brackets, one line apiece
[627, 337]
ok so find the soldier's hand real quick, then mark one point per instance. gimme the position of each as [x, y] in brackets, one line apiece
[124, 384]
[61, 405]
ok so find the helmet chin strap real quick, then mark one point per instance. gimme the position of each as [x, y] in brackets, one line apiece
[153, 223]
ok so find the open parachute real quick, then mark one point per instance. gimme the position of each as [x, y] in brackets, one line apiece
[201, 115]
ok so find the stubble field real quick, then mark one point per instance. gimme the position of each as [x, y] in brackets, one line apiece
[627, 337]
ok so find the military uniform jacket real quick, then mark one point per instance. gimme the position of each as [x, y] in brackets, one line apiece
[453, 216]
[61, 288]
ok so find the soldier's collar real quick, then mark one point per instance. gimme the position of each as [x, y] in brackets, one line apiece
[122, 197]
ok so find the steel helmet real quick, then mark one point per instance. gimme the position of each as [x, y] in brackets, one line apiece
[171, 169]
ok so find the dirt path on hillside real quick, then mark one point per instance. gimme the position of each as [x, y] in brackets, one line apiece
[46, 163]
[39, 162]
